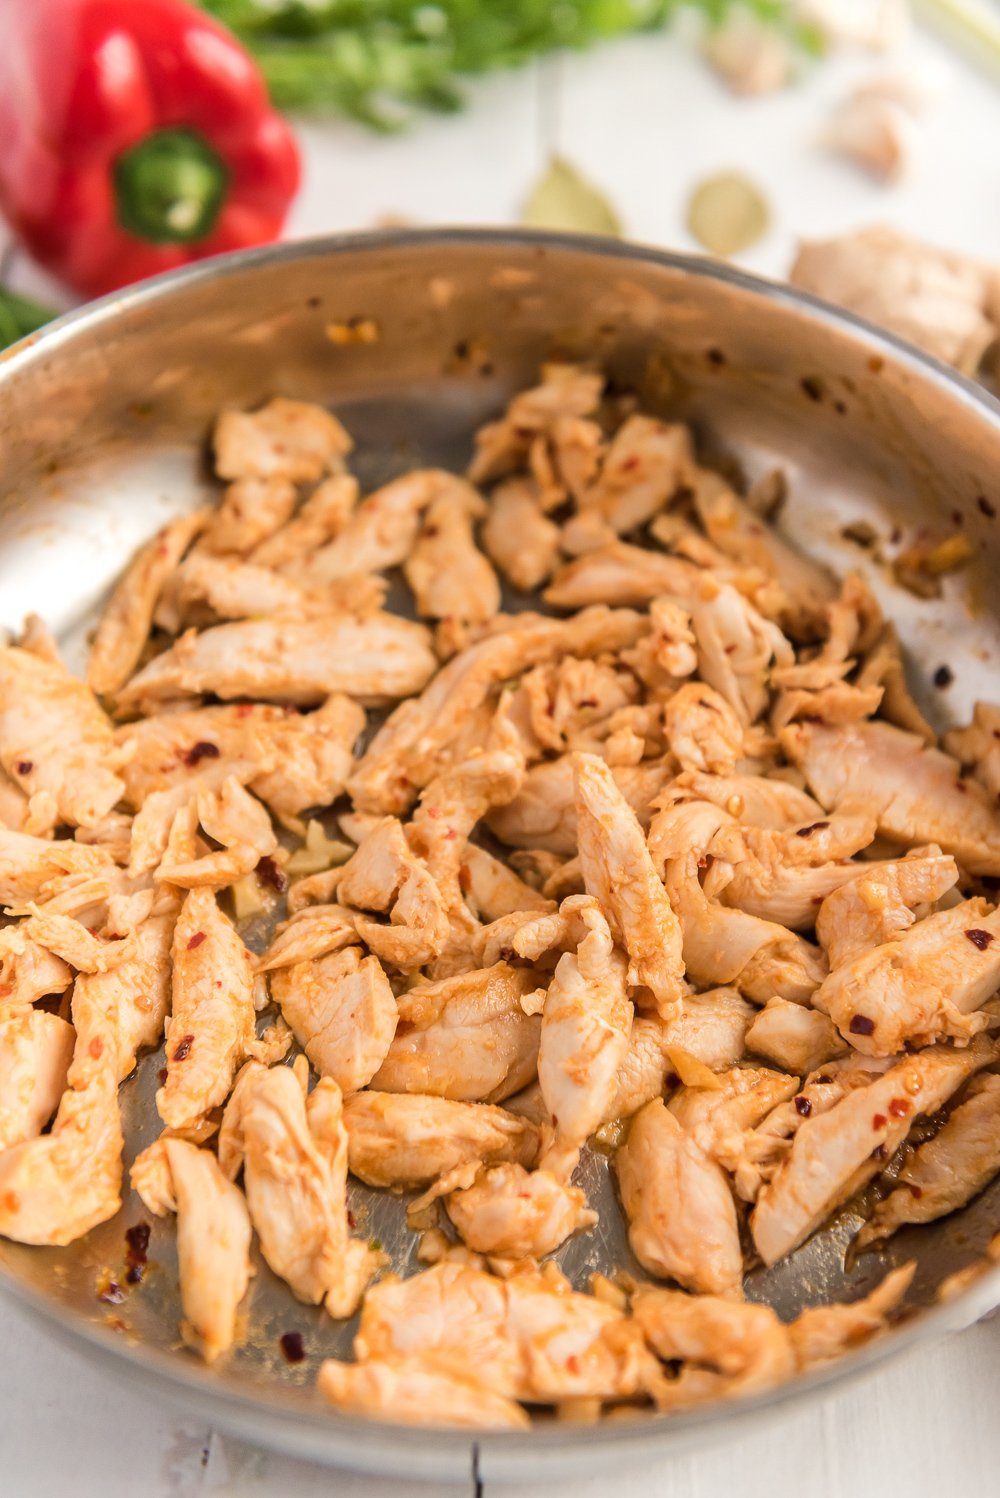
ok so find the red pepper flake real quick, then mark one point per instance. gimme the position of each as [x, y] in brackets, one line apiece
[451, 833]
[202, 750]
[960, 785]
[980, 939]
[293, 1348]
[861, 1025]
[183, 1050]
[96, 1047]
[136, 1246]
[943, 677]
[671, 1079]
[587, 702]
[879, 1152]
[244, 709]
[109, 1290]
[573, 1363]
[813, 827]
[879, 1121]
[822, 1081]
[269, 871]
[899, 1107]
[25, 766]
[351, 1223]
[916, 1192]
[803, 1106]
[812, 718]
[465, 878]
[162, 1075]
[434, 812]
[628, 465]
[196, 940]
[987, 507]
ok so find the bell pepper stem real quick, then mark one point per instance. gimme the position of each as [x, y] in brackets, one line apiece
[170, 188]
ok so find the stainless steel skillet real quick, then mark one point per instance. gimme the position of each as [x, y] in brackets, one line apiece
[103, 421]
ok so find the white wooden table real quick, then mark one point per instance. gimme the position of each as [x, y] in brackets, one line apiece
[644, 121]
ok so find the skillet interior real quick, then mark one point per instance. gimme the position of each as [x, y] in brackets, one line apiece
[103, 423]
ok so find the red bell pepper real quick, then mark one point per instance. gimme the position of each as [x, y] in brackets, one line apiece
[135, 135]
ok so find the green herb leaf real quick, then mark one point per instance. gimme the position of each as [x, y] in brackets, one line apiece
[20, 316]
[727, 214]
[562, 199]
[376, 60]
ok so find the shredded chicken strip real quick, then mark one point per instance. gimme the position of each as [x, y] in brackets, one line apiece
[213, 1247]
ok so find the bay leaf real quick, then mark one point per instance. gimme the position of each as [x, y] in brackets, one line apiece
[563, 199]
[727, 213]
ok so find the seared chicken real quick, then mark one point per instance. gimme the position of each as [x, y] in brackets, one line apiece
[449, 576]
[342, 1012]
[406, 1139]
[35, 1054]
[410, 1394]
[213, 1247]
[511, 1213]
[287, 439]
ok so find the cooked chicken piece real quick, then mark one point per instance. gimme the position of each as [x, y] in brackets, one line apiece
[402, 1139]
[342, 1012]
[252, 509]
[511, 1213]
[211, 1026]
[703, 732]
[36, 1049]
[543, 814]
[293, 440]
[884, 666]
[406, 752]
[882, 903]
[309, 933]
[381, 532]
[978, 746]
[728, 1349]
[69, 940]
[752, 800]
[407, 1393]
[821, 1333]
[518, 537]
[55, 741]
[205, 589]
[465, 1038]
[923, 985]
[141, 984]
[797, 1038]
[125, 623]
[785, 876]
[586, 1022]
[566, 391]
[300, 661]
[748, 539]
[538, 1339]
[681, 1213]
[569, 704]
[28, 970]
[736, 647]
[57, 1186]
[711, 1027]
[14, 814]
[158, 824]
[213, 1247]
[293, 1150]
[718, 1118]
[947, 1171]
[617, 573]
[234, 818]
[721, 944]
[448, 574]
[647, 461]
[448, 810]
[494, 890]
[321, 518]
[618, 871]
[113, 833]
[943, 302]
[646, 1070]
[664, 657]
[837, 1152]
[768, 1145]
[817, 692]
[300, 759]
[387, 876]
